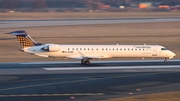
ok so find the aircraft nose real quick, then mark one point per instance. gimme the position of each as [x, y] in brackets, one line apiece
[172, 54]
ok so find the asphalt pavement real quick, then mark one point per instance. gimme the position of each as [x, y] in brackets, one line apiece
[36, 23]
[82, 84]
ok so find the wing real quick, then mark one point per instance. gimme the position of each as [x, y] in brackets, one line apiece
[93, 56]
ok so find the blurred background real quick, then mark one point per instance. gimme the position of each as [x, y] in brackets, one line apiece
[88, 5]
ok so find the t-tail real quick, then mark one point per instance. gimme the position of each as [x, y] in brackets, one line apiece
[24, 39]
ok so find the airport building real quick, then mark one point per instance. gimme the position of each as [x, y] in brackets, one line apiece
[85, 5]
[75, 3]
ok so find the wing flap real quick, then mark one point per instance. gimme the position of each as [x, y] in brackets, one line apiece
[97, 56]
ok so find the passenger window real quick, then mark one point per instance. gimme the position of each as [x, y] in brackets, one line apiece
[68, 49]
[84, 48]
[72, 48]
[76, 48]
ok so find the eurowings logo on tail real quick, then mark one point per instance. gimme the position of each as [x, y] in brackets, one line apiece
[24, 39]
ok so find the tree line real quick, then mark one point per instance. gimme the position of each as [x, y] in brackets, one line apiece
[35, 4]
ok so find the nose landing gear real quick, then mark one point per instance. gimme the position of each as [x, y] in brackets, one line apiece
[165, 60]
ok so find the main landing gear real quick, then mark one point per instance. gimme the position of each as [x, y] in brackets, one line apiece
[85, 61]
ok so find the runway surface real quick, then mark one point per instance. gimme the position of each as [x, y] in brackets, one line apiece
[35, 23]
[94, 67]
[68, 80]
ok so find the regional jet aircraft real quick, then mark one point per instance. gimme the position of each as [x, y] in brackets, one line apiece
[85, 53]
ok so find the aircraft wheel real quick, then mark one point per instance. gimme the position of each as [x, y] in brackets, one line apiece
[87, 62]
[165, 60]
[82, 61]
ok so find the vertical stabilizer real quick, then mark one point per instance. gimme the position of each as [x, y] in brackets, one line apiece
[24, 39]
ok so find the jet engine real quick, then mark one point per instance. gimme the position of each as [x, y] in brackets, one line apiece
[51, 48]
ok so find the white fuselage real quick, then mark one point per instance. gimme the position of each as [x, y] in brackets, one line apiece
[103, 51]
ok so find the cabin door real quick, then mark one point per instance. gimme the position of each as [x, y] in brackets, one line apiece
[154, 52]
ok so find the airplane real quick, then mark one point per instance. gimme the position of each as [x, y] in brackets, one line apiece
[85, 53]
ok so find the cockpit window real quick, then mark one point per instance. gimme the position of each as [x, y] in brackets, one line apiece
[164, 49]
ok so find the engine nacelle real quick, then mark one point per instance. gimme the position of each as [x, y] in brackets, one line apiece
[51, 48]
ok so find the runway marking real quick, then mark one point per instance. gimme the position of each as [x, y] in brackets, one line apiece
[45, 79]
[119, 67]
[33, 95]
[55, 79]
[110, 61]
[55, 83]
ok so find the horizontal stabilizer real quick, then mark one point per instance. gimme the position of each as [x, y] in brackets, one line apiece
[19, 33]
